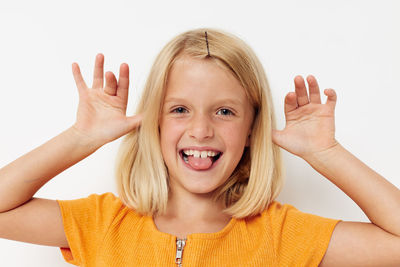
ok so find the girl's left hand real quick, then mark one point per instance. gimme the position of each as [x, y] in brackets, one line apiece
[310, 125]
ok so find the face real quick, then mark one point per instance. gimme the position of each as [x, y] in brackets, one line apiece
[204, 125]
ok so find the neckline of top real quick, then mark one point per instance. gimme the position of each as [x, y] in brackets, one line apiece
[224, 231]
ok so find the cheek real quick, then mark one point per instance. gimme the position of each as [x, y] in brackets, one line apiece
[234, 134]
[170, 133]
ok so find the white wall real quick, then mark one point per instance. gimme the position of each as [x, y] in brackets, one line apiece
[351, 46]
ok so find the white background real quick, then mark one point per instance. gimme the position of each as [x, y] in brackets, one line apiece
[351, 46]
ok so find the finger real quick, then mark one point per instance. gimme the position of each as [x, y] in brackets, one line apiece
[123, 82]
[98, 71]
[313, 88]
[301, 91]
[331, 94]
[111, 83]
[290, 102]
[76, 72]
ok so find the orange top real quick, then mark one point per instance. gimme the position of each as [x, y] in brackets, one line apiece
[101, 231]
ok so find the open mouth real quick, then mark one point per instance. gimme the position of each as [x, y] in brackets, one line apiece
[200, 162]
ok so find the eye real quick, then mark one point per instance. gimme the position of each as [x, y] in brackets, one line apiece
[179, 110]
[225, 111]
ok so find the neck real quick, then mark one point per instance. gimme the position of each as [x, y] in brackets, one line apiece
[190, 207]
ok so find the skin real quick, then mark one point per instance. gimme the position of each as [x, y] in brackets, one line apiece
[204, 106]
[309, 134]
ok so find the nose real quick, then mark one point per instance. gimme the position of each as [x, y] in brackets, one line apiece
[200, 127]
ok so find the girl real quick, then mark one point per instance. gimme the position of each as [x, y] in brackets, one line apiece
[199, 170]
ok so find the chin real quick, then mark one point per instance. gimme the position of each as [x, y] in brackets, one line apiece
[200, 189]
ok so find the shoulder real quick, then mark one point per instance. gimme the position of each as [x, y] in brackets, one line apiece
[276, 209]
[280, 213]
[108, 197]
[95, 205]
[276, 206]
[99, 211]
[94, 199]
[288, 224]
[300, 238]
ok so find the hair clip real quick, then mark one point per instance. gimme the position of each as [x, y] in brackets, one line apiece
[208, 49]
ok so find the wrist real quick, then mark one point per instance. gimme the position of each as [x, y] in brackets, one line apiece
[323, 156]
[82, 139]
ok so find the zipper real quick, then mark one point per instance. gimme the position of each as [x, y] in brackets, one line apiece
[180, 244]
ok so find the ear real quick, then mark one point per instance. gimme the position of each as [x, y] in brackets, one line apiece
[248, 139]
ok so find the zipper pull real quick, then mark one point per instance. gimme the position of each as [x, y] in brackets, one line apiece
[180, 244]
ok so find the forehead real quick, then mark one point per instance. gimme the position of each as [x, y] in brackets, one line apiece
[190, 77]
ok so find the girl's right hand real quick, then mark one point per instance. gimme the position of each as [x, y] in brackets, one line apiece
[101, 116]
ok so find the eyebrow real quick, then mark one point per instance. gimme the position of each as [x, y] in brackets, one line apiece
[223, 100]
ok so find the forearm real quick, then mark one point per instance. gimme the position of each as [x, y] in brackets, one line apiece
[377, 197]
[22, 178]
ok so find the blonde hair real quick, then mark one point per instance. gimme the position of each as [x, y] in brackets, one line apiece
[141, 174]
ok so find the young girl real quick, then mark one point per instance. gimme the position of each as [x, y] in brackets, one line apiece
[199, 170]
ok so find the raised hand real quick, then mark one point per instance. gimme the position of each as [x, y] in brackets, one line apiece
[310, 125]
[101, 113]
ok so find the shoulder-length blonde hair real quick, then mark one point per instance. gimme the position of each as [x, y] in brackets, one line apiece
[141, 174]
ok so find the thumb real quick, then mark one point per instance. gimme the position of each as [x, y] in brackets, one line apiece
[134, 121]
[331, 100]
[277, 137]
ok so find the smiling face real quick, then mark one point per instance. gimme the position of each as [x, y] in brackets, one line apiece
[204, 125]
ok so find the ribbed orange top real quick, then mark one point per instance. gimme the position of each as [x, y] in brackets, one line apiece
[101, 231]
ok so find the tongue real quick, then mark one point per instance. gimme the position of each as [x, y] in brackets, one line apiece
[200, 163]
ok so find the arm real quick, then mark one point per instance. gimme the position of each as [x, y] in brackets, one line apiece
[309, 133]
[22, 178]
[377, 197]
[371, 244]
[100, 119]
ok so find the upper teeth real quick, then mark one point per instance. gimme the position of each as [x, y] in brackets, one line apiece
[198, 154]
